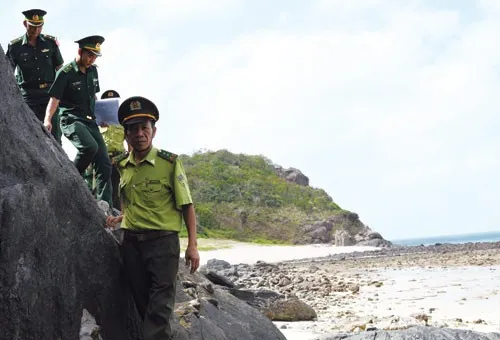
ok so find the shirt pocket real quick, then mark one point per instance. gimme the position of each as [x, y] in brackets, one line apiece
[26, 59]
[77, 86]
[152, 191]
[47, 58]
[26, 64]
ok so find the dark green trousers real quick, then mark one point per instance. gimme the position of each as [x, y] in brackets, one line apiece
[151, 267]
[39, 110]
[85, 136]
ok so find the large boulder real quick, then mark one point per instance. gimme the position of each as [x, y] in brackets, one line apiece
[55, 257]
[57, 260]
[419, 332]
[342, 238]
[276, 306]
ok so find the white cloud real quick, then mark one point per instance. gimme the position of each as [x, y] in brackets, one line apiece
[389, 106]
[163, 11]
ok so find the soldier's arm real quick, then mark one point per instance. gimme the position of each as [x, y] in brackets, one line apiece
[49, 112]
[189, 216]
[192, 256]
[51, 108]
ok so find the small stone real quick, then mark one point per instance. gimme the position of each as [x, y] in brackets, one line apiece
[189, 284]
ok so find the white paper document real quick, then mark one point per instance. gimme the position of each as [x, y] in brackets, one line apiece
[106, 111]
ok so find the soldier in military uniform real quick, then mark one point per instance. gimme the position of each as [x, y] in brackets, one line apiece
[36, 58]
[74, 91]
[155, 200]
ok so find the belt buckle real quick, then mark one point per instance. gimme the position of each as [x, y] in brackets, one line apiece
[42, 86]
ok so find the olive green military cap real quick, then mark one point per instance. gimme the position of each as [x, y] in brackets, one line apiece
[110, 94]
[137, 109]
[91, 43]
[34, 17]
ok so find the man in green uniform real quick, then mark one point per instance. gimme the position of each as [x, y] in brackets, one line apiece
[155, 200]
[74, 91]
[36, 58]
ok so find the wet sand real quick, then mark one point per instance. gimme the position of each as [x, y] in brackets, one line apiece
[443, 285]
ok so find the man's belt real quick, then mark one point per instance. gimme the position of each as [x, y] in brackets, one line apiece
[36, 86]
[146, 235]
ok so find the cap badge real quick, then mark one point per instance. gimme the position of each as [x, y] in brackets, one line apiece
[135, 105]
[110, 94]
[36, 17]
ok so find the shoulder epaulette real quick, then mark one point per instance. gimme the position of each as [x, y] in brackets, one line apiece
[12, 42]
[117, 159]
[167, 155]
[66, 68]
[51, 37]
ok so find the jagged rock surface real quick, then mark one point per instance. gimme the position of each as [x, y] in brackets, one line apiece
[292, 175]
[57, 260]
[420, 333]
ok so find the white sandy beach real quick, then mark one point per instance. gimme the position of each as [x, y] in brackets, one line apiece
[239, 252]
[453, 290]
[462, 297]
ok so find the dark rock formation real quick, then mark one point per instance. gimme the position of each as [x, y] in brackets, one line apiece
[55, 257]
[292, 175]
[342, 229]
[420, 333]
[57, 260]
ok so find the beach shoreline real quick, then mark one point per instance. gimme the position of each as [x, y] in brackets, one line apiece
[443, 285]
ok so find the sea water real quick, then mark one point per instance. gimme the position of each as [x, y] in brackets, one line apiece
[493, 236]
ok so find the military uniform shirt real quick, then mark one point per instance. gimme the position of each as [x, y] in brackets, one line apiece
[114, 136]
[35, 65]
[153, 191]
[76, 90]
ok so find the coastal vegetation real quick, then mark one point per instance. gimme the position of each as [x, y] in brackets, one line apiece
[242, 197]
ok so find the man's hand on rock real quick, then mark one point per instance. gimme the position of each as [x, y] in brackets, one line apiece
[48, 125]
[112, 221]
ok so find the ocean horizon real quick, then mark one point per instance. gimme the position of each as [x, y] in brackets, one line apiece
[492, 236]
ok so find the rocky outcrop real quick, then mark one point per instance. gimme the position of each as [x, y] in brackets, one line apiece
[292, 175]
[420, 333]
[276, 306]
[342, 238]
[342, 229]
[57, 260]
[55, 257]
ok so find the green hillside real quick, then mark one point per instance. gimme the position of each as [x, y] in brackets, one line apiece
[241, 197]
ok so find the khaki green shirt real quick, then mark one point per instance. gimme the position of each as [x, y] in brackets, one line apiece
[76, 90]
[114, 136]
[35, 66]
[153, 191]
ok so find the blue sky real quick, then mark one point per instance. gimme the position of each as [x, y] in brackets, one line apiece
[389, 105]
